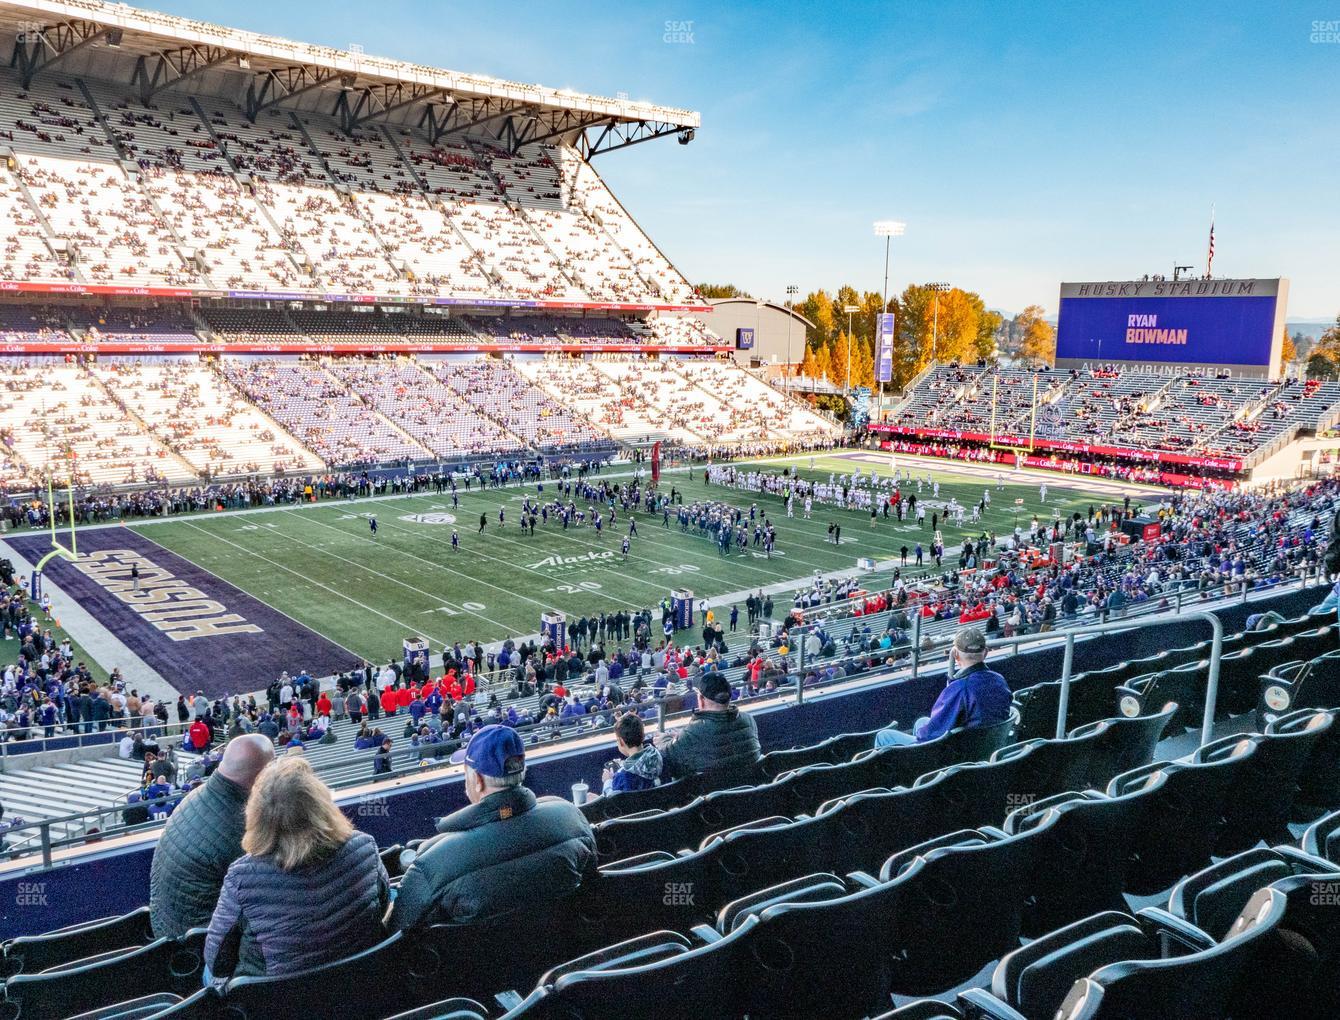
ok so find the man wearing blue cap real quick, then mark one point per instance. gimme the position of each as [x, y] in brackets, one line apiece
[503, 852]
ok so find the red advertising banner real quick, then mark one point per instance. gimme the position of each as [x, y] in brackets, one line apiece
[148, 347]
[122, 290]
[1065, 445]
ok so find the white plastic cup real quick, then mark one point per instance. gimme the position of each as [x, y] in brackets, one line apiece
[579, 792]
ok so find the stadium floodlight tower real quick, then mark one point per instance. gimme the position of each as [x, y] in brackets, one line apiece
[887, 229]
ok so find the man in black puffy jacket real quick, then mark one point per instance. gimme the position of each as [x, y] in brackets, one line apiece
[720, 738]
[202, 838]
[504, 852]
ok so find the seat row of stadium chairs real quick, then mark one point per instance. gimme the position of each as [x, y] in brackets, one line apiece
[1095, 696]
[1181, 675]
[849, 814]
[940, 909]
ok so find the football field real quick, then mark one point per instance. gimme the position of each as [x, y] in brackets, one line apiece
[321, 566]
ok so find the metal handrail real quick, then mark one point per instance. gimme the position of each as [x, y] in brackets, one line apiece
[792, 690]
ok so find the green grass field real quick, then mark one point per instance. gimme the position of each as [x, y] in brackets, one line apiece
[320, 565]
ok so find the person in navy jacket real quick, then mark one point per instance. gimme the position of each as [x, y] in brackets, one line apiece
[976, 695]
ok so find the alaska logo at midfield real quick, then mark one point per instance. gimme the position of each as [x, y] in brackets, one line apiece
[178, 609]
[429, 518]
[571, 561]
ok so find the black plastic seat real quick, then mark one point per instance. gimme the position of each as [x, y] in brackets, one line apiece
[753, 858]
[1084, 852]
[671, 893]
[946, 929]
[1313, 643]
[1123, 744]
[1272, 654]
[1237, 681]
[1050, 766]
[1213, 897]
[977, 794]
[1148, 965]
[776, 763]
[1314, 683]
[973, 1004]
[902, 764]
[164, 965]
[32, 954]
[680, 828]
[1322, 838]
[1184, 685]
[1186, 812]
[724, 809]
[656, 798]
[818, 887]
[1199, 985]
[846, 746]
[135, 1009]
[447, 1009]
[661, 974]
[1260, 803]
[1038, 706]
[872, 824]
[806, 789]
[797, 948]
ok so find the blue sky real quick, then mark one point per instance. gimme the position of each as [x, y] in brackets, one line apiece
[1024, 143]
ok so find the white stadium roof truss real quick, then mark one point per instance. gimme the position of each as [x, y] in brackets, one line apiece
[154, 52]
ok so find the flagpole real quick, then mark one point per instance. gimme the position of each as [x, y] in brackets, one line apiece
[1209, 259]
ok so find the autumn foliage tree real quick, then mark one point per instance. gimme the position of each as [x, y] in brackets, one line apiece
[1037, 336]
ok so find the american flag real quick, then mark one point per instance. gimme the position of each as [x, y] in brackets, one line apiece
[1209, 261]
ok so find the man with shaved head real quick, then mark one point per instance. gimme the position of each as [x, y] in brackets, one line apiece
[203, 837]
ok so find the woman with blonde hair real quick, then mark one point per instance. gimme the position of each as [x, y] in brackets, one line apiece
[308, 889]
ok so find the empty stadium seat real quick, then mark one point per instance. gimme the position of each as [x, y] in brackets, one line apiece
[173, 966]
[1260, 802]
[661, 974]
[1183, 685]
[1084, 850]
[1186, 812]
[872, 824]
[1125, 967]
[1297, 973]
[1314, 683]
[1123, 743]
[656, 798]
[36, 953]
[1051, 766]
[944, 930]
[1322, 838]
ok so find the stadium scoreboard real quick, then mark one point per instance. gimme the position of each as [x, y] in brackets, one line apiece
[1218, 324]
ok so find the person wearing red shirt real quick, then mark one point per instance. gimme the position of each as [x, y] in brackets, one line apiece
[403, 697]
[469, 687]
[199, 734]
[323, 705]
[389, 701]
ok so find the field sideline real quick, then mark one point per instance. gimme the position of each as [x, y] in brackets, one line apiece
[320, 566]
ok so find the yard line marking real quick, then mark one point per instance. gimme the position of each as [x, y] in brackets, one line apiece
[308, 580]
[440, 566]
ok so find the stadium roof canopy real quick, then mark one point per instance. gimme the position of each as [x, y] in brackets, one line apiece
[153, 52]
